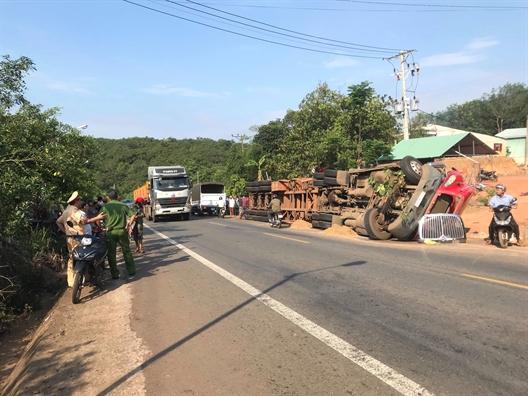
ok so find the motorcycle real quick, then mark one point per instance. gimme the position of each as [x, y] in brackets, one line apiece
[487, 175]
[221, 211]
[502, 229]
[276, 221]
[88, 261]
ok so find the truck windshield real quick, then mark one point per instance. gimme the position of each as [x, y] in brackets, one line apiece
[171, 184]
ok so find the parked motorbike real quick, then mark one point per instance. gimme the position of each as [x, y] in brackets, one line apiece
[88, 261]
[502, 229]
[487, 175]
[221, 211]
[276, 221]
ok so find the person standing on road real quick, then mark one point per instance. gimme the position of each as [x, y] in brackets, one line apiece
[245, 205]
[501, 198]
[74, 215]
[117, 213]
[137, 231]
[231, 205]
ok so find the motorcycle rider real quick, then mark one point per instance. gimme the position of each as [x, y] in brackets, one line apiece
[73, 214]
[501, 198]
[273, 207]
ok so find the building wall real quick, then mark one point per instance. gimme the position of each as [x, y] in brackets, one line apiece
[517, 149]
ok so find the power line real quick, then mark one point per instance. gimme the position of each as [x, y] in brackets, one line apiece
[248, 36]
[324, 46]
[274, 32]
[359, 10]
[291, 31]
[432, 5]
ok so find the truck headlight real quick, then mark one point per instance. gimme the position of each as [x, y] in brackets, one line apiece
[450, 180]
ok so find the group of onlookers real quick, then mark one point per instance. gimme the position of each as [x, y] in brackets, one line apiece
[85, 216]
[237, 205]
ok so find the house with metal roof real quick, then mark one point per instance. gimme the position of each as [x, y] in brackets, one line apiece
[515, 143]
[428, 148]
[497, 143]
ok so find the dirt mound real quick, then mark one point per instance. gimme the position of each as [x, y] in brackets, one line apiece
[340, 231]
[300, 224]
[501, 165]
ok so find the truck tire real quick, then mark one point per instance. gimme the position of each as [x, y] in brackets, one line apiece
[330, 172]
[412, 169]
[318, 183]
[154, 218]
[372, 228]
[185, 216]
[325, 217]
[318, 175]
[330, 181]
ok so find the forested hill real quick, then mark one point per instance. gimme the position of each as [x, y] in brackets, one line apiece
[124, 162]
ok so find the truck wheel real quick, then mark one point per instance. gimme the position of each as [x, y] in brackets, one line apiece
[372, 226]
[154, 218]
[412, 169]
[77, 287]
[185, 216]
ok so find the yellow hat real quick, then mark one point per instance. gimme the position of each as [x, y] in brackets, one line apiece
[73, 197]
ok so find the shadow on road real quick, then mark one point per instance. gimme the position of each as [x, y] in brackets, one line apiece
[220, 318]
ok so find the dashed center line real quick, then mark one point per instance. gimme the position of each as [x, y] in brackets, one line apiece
[223, 225]
[283, 237]
[496, 281]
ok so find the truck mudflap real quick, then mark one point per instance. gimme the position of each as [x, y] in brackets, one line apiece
[406, 225]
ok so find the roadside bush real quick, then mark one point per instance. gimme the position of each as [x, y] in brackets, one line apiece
[26, 273]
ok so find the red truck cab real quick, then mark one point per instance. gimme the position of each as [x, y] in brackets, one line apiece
[452, 196]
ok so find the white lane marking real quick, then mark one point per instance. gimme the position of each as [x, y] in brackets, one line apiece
[381, 371]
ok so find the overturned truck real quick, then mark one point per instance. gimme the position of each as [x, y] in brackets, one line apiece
[381, 202]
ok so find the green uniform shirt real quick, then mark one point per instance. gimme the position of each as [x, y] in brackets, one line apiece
[116, 214]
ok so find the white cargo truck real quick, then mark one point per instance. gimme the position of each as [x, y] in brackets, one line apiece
[169, 193]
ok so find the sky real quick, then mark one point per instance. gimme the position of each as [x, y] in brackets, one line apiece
[125, 70]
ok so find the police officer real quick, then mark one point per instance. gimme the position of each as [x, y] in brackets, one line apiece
[117, 213]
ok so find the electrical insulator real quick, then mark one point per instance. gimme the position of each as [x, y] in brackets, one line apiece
[414, 104]
[398, 77]
[398, 107]
[418, 70]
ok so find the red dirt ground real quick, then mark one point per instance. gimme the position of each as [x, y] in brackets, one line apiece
[477, 216]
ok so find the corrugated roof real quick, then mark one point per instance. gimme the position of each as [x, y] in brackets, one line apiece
[439, 146]
[428, 147]
[512, 133]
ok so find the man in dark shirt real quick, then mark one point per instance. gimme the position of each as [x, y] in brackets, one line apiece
[274, 206]
[117, 213]
[245, 205]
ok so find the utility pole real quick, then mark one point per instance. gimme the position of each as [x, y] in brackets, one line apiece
[403, 57]
[241, 138]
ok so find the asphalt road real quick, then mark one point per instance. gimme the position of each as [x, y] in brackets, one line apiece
[343, 316]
